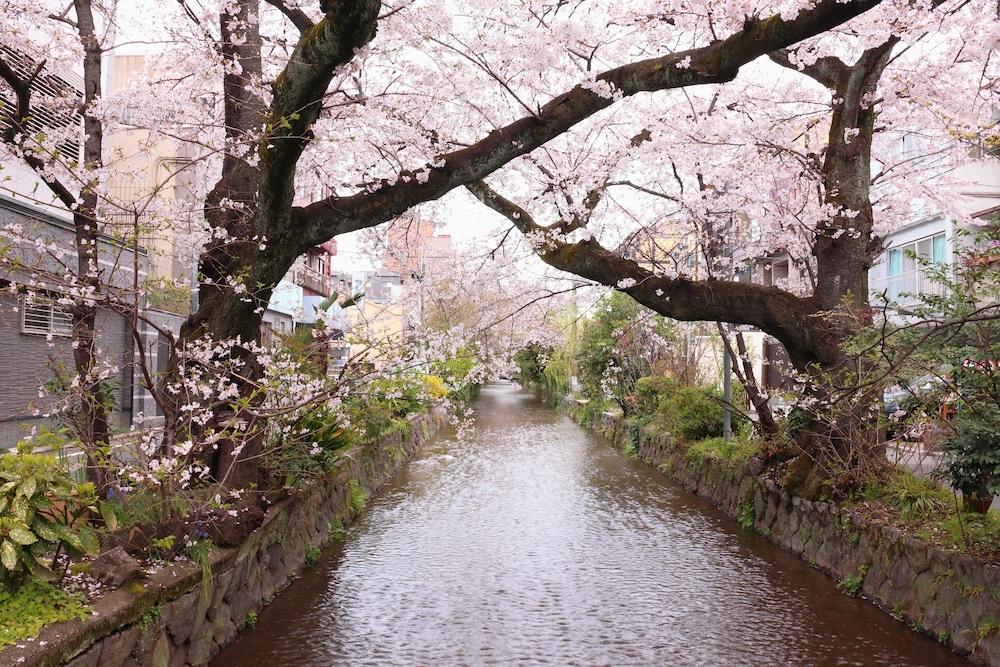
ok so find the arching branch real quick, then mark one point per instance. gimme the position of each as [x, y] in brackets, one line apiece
[716, 63]
[785, 316]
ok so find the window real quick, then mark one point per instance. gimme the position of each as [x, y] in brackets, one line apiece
[45, 317]
[905, 274]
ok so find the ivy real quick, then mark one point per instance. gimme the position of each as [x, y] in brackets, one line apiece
[33, 606]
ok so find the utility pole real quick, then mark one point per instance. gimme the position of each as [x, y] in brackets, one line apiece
[727, 394]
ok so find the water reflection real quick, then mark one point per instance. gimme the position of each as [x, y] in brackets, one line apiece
[535, 543]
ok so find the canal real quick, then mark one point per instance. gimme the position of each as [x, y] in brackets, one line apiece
[534, 542]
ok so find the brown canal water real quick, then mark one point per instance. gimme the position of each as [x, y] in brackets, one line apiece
[534, 542]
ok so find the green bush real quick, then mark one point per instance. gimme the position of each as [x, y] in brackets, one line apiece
[972, 454]
[693, 413]
[314, 443]
[374, 411]
[531, 361]
[651, 391]
[40, 509]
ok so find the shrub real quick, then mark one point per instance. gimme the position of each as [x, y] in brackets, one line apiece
[41, 506]
[972, 456]
[651, 391]
[531, 361]
[435, 387]
[694, 413]
[314, 443]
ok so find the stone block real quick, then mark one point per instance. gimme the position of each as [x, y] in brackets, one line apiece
[118, 647]
[89, 658]
[180, 616]
[115, 567]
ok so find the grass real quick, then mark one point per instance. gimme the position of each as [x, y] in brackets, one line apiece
[916, 498]
[312, 556]
[33, 606]
[738, 449]
[930, 511]
[357, 497]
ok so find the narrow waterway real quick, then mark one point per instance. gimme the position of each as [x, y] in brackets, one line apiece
[534, 542]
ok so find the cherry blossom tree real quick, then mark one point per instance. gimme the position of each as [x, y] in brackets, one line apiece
[385, 107]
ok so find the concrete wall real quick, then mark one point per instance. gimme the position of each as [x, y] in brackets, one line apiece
[172, 618]
[947, 596]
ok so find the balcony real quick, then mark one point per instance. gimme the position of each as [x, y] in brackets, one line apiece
[907, 288]
[313, 281]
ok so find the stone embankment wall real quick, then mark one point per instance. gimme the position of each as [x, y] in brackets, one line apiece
[175, 617]
[948, 596]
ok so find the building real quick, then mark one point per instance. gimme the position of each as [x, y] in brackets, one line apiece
[898, 275]
[414, 248]
[35, 343]
[153, 187]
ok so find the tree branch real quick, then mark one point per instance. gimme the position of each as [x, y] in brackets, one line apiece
[716, 63]
[294, 14]
[780, 313]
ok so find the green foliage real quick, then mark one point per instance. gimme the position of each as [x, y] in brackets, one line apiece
[455, 371]
[852, 583]
[693, 413]
[317, 442]
[251, 619]
[652, 391]
[954, 359]
[916, 498]
[201, 553]
[971, 531]
[162, 547]
[357, 497]
[385, 400]
[168, 295]
[33, 606]
[336, 530]
[313, 555]
[972, 453]
[747, 516]
[987, 629]
[41, 507]
[150, 617]
[531, 361]
[617, 347]
[737, 449]
[558, 373]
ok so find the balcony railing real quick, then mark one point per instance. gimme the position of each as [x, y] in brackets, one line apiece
[906, 288]
[313, 280]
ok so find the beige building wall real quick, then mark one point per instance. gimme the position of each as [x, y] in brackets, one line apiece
[151, 184]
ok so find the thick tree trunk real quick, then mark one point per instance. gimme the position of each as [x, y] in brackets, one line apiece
[838, 435]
